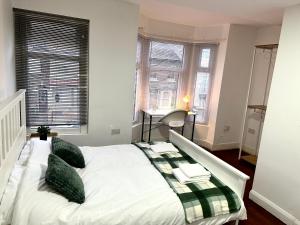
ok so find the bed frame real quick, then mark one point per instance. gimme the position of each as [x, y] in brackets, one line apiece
[12, 134]
[229, 175]
[13, 138]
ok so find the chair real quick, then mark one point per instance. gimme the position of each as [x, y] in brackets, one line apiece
[175, 119]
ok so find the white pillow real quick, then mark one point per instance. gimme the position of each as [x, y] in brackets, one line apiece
[40, 152]
[25, 153]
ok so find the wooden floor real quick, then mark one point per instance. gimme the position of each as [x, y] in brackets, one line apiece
[256, 214]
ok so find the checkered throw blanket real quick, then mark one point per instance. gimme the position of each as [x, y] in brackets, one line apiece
[199, 200]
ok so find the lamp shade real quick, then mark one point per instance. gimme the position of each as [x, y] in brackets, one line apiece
[186, 99]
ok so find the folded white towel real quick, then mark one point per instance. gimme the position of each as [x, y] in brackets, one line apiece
[163, 147]
[194, 170]
[183, 179]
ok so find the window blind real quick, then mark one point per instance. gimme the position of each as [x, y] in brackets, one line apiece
[52, 65]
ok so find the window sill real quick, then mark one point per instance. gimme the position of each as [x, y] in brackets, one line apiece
[136, 122]
[82, 130]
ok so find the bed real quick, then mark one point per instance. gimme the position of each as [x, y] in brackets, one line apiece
[122, 185]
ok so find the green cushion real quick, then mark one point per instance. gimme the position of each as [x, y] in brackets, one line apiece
[68, 152]
[64, 179]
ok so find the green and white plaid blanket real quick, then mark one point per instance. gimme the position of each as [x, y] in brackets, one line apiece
[199, 200]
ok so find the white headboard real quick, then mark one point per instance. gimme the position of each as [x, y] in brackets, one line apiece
[12, 134]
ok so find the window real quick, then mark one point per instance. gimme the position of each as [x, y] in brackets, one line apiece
[165, 67]
[52, 65]
[203, 83]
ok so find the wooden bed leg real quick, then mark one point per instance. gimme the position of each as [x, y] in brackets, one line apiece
[236, 222]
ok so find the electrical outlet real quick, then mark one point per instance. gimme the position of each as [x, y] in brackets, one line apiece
[251, 131]
[115, 131]
[226, 128]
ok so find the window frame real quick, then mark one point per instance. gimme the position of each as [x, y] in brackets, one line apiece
[180, 73]
[81, 127]
[210, 70]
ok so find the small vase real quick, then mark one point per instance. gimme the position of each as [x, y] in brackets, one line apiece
[43, 137]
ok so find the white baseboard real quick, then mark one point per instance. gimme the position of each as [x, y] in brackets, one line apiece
[217, 147]
[249, 150]
[158, 137]
[203, 143]
[225, 146]
[274, 209]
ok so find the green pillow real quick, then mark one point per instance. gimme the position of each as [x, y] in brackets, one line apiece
[64, 179]
[68, 152]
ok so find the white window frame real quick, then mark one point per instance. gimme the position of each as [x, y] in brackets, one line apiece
[210, 70]
[180, 73]
[161, 99]
[136, 77]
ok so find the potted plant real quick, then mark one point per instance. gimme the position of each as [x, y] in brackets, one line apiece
[43, 131]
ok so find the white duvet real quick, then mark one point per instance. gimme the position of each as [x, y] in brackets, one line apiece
[121, 186]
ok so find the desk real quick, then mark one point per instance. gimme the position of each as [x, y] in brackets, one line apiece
[161, 113]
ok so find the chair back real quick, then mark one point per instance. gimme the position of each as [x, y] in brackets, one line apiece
[175, 118]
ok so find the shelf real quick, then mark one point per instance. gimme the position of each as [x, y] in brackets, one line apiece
[252, 159]
[260, 107]
[272, 46]
[52, 134]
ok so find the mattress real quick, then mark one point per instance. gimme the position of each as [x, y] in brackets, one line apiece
[116, 193]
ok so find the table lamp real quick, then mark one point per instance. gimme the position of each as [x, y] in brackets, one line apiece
[186, 100]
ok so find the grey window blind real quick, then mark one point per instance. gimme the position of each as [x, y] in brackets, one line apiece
[52, 65]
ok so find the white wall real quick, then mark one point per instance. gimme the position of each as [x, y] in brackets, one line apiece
[215, 92]
[276, 182]
[113, 35]
[268, 35]
[7, 61]
[234, 87]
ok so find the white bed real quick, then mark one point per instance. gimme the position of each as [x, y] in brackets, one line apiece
[119, 195]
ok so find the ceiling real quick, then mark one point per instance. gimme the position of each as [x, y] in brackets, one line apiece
[215, 12]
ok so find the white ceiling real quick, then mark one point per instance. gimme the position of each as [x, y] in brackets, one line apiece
[215, 12]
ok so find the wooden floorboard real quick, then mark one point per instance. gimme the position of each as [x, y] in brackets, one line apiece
[256, 214]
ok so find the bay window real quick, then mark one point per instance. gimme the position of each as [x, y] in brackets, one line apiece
[167, 71]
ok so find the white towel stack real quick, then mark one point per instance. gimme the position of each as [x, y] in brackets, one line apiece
[163, 147]
[188, 173]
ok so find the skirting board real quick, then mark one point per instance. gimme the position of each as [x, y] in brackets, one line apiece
[136, 129]
[216, 147]
[203, 143]
[225, 146]
[249, 150]
[274, 209]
